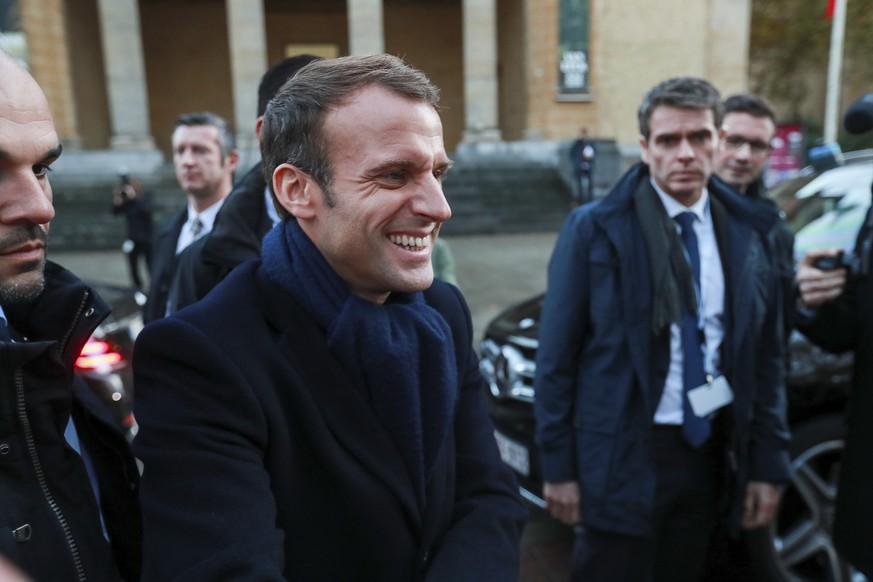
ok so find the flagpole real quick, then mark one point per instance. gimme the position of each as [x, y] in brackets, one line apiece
[835, 65]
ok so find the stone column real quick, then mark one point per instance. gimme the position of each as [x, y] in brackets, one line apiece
[45, 26]
[480, 71]
[125, 75]
[366, 27]
[248, 61]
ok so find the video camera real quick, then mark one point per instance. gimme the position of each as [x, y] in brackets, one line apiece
[858, 119]
[859, 116]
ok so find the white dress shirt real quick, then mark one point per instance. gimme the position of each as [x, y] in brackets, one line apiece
[271, 208]
[207, 219]
[712, 297]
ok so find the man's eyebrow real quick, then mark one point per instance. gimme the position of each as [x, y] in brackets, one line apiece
[50, 155]
[53, 153]
[445, 166]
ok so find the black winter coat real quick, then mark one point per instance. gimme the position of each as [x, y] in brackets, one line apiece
[839, 326]
[235, 238]
[49, 519]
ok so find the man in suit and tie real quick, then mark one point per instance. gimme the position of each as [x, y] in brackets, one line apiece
[204, 157]
[245, 218]
[659, 379]
[320, 414]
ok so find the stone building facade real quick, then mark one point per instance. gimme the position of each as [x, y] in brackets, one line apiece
[118, 72]
[515, 90]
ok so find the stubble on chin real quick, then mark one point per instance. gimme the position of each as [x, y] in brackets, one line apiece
[26, 281]
[24, 286]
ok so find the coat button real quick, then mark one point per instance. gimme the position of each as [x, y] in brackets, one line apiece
[5, 448]
[22, 534]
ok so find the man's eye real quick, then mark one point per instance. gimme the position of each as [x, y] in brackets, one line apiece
[439, 174]
[394, 176]
[41, 170]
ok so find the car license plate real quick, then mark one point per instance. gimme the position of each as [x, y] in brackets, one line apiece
[513, 454]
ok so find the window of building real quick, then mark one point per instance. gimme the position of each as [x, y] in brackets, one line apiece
[573, 61]
[11, 36]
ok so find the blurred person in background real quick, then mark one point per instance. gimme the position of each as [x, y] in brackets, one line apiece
[130, 199]
[582, 156]
[743, 151]
[204, 157]
[245, 217]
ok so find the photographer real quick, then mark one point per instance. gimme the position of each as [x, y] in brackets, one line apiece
[833, 312]
[128, 198]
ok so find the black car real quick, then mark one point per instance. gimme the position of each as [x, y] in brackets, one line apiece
[825, 210]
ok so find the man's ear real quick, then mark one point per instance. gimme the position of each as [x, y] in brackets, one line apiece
[232, 160]
[644, 149]
[259, 124]
[295, 191]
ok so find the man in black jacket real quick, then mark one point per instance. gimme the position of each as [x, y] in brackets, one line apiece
[748, 128]
[247, 214]
[67, 478]
[835, 312]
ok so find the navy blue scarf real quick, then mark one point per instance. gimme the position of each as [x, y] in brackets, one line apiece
[401, 353]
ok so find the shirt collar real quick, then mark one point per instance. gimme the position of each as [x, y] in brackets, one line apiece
[271, 207]
[674, 207]
[207, 217]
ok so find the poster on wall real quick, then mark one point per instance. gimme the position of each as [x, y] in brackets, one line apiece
[786, 157]
[573, 55]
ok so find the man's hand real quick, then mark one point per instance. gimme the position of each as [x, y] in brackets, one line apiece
[760, 504]
[562, 500]
[817, 287]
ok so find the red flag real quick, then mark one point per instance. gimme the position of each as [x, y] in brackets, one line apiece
[829, 9]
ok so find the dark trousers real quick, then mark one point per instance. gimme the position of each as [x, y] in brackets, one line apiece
[141, 250]
[584, 191]
[686, 510]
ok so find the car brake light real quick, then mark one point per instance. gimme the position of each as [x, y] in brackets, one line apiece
[96, 355]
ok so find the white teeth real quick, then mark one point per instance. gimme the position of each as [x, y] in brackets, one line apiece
[414, 242]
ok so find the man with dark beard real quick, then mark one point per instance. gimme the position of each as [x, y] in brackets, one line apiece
[67, 479]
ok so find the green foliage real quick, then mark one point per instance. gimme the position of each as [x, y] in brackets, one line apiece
[789, 48]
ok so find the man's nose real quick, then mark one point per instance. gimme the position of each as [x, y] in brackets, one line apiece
[186, 157]
[433, 201]
[744, 151]
[685, 149]
[26, 199]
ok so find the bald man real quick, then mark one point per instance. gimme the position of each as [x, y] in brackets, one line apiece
[68, 481]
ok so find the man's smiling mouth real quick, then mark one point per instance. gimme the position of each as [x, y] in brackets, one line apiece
[411, 242]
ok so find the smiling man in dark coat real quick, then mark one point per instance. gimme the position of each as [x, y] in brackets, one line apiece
[320, 415]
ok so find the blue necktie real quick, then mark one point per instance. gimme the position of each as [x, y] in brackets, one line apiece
[695, 429]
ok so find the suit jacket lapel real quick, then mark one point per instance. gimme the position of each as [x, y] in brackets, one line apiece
[630, 250]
